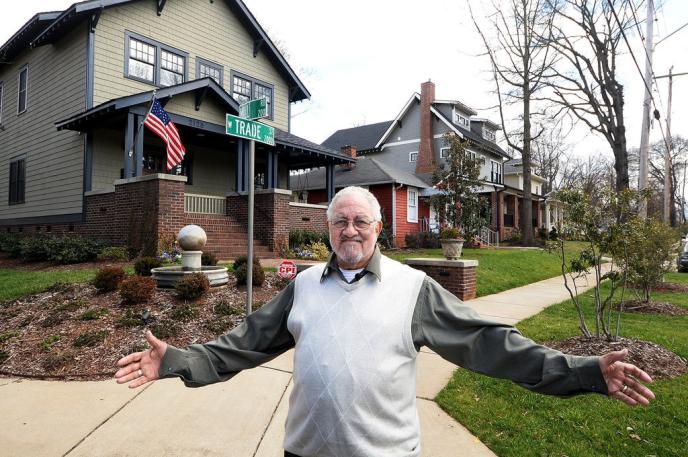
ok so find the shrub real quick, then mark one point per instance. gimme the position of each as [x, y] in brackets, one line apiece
[114, 254]
[225, 309]
[450, 233]
[298, 237]
[542, 233]
[10, 243]
[208, 258]
[3, 356]
[37, 248]
[53, 319]
[129, 319]
[241, 271]
[184, 313]
[319, 250]
[93, 314]
[218, 326]
[553, 234]
[144, 265]
[54, 362]
[137, 289]
[8, 335]
[72, 305]
[192, 286]
[49, 342]
[108, 279]
[74, 249]
[422, 240]
[164, 329]
[89, 339]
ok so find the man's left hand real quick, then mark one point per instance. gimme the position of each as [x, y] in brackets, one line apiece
[623, 379]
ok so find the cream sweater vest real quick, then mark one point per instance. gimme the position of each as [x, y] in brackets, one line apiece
[354, 365]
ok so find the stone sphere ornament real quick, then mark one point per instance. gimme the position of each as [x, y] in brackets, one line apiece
[192, 238]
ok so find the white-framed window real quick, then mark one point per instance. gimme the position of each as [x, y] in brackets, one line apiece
[496, 171]
[444, 153]
[413, 156]
[412, 205]
[245, 88]
[207, 69]
[461, 120]
[23, 86]
[489, 134]
[152, 62]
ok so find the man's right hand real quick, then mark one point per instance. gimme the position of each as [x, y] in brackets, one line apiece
[142, 367]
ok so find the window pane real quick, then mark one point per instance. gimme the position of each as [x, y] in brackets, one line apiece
[139, 50]
[208, 71]
[168, 78]
[141, 70]
[241, 89]
[263, 91]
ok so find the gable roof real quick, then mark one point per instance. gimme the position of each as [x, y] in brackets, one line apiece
[55, 25]
[25, 34]
[363, 138]
[367, 172]
[478, 140]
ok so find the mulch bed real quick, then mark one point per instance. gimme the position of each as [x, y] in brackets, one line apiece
[654, 307]
[40, 334]
[655, 360]
[670, 287]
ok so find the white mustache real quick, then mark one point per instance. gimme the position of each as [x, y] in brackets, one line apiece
[355, 238]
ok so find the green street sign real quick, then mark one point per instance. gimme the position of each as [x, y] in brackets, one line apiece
[254, 109]
[251, 130]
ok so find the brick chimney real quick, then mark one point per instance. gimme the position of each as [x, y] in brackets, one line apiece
[350, 151]
[426, 154]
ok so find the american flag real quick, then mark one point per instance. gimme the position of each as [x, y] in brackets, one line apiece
[160, 123]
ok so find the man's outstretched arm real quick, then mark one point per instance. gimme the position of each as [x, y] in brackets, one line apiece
[260, 338]
[456, 332]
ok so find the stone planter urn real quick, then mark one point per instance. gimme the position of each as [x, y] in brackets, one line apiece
[451, 248]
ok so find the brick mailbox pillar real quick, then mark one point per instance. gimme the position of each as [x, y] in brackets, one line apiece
[457, 276]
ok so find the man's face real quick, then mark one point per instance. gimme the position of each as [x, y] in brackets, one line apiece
[353, 233]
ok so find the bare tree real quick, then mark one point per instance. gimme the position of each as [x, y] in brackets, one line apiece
[520, 59]
[587, 36]
[590, 175]
[679, 161]
[549, 150]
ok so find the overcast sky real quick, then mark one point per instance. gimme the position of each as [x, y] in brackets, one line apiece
[362, 60]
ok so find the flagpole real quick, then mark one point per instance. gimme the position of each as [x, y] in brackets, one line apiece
[138, 130]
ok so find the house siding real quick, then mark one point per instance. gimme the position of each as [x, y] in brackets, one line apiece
[213, 172]
[202, 29]
[383, 193]
[108, 157]
[54, 160]
[398, 155]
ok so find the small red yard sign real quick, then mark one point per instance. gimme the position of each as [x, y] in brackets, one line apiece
[287, 269]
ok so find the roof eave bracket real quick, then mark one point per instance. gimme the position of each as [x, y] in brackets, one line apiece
[257, 44]
[161, 6]
[200, 96]
[93, 21]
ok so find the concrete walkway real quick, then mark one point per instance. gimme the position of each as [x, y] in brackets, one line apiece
[243, 417]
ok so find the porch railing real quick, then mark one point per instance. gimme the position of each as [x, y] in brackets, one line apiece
[424, 224]
[489, 237]
[205, 204]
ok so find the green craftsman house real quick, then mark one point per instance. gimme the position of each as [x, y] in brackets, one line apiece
[74, 88]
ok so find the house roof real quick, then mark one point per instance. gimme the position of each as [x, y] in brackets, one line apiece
[367, 171]
[25, 34]
[52, 26]
[477, 139]
[363, 138]
[461, 105]
[201, 88]
[515, 166]
[487, 122]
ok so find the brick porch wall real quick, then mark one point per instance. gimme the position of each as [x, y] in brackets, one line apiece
[308, 217]
[457, 276]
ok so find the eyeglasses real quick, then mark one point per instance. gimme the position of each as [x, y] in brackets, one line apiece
[359, 224]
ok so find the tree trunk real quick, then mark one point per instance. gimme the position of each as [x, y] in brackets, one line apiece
[527, 207]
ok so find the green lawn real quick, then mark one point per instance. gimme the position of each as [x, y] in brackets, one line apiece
[516, 422]
[18, 283]
[502, 269]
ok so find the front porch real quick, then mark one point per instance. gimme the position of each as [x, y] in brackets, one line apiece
[131, 200]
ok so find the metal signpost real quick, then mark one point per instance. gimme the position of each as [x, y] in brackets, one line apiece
[245, 127]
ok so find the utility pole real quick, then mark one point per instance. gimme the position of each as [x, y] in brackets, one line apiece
[645, 131]
[667, 158]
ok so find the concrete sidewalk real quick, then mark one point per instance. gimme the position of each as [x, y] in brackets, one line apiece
[243, 417]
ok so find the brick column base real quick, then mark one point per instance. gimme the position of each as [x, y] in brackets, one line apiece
[457, 276]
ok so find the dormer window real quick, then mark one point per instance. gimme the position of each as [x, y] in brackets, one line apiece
[461, 120]
[489, 134]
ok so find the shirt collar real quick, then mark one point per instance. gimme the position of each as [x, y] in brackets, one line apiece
[373, 266]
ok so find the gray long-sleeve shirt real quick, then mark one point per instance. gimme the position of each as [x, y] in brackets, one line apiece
[440, 322]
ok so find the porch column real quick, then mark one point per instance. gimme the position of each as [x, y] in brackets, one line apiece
[128, 144]
[329, 181]
[272, 176]
[242, 166]
[548, 220]
[138, 147]
[517, 212]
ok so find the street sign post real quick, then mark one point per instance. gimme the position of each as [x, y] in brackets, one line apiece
[251, 130]
[254, 109]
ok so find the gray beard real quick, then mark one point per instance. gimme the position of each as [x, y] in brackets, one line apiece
[350, 257]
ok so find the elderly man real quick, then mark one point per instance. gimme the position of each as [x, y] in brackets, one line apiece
[357, 323]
